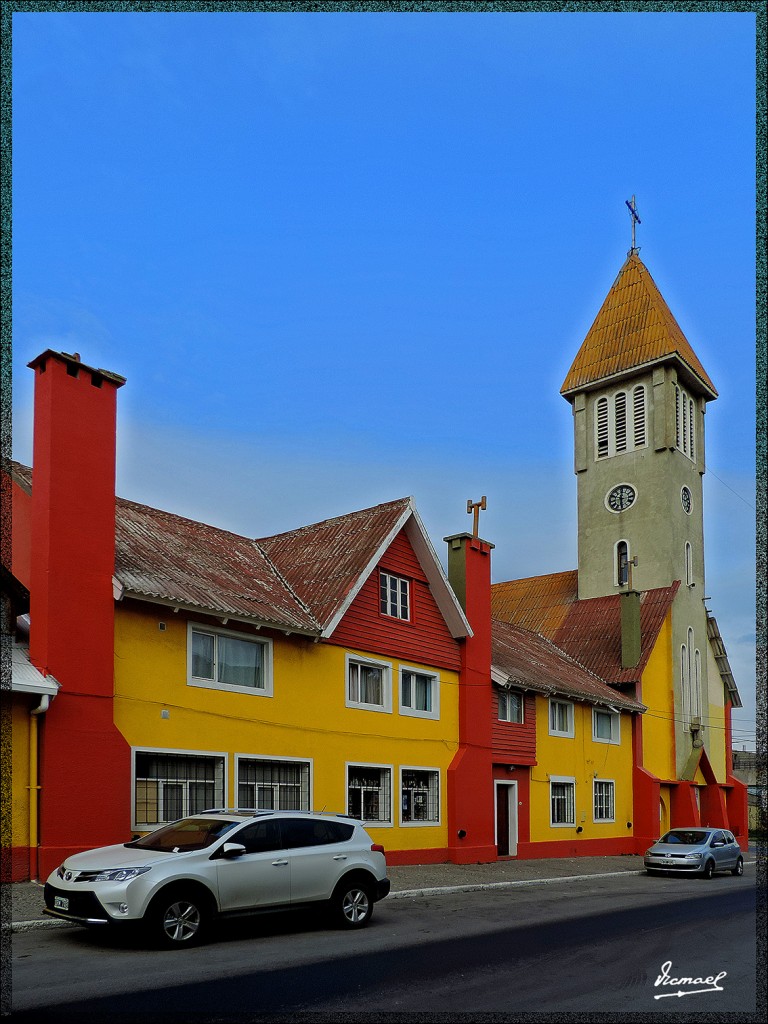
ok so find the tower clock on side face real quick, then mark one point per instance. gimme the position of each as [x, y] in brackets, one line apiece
[620, 498]
[685, 498]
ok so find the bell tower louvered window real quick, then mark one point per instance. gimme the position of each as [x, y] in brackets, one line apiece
[685, 423]
[620, 422]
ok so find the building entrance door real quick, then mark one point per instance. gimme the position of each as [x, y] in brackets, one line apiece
[506, 819]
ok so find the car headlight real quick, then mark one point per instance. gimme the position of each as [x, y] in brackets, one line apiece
[119, 874]
[693, 856]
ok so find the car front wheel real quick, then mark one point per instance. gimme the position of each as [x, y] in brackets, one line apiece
[353, 904]
[739, 869]
[709, 869]
[179, 919]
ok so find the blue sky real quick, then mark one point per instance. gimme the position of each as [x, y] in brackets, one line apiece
[342, 258]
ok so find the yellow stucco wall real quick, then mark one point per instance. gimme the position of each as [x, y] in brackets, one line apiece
[17, 823]
[582, 759]
[305, 718]
[658, 697]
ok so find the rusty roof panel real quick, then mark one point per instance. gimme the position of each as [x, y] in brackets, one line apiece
[533, 662]
[323, 562]
[633, 327]
[537, 603]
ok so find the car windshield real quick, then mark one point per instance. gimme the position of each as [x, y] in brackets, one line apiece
[188, 834]
[687, 838]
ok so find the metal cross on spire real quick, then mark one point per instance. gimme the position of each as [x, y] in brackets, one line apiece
[475, 506]
[635, 220]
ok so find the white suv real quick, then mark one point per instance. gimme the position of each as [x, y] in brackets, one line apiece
[224, 862]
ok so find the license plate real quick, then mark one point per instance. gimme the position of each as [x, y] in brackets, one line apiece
[60, 903]
[667, 862]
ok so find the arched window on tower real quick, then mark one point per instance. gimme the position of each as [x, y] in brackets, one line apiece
[688, 564]
[696, 705]
[638, 415]
[602, 427]
[685, 689]
[685, 423]
[620, 422]
[620, 414]
[621, 563]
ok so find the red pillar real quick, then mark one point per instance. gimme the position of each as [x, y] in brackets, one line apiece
[470, 776]
[84, 760]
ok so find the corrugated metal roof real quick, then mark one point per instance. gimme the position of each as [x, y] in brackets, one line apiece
[298, 581]
[25, 678]
[538, 603]
[589, 631]
[634, 327]
[721, 659]
[533, 662]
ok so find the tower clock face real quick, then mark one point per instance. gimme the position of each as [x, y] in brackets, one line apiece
[621, 498]
[685, 498]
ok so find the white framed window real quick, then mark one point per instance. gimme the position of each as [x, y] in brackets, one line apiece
[274, 784]
[369, 793]
[394, 596]
[419, 796]
[606, 726]
[603, 800]
[560, 718]
[685, 423]
[222, 659]
[419, 693]
[620, 422]
[511, 706]
[369, 684]
[621, 562]
[562, 800]
[171, 784]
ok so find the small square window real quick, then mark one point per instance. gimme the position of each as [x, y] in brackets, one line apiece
[223, 659]
[511, 706]
[604, 800]
[369, 685]
[560, 718]
[419, 693]
[606, 726]
[562, 800]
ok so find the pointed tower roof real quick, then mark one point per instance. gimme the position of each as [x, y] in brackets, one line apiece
[634, 328]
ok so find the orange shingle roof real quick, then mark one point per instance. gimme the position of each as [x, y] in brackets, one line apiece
[634, 328]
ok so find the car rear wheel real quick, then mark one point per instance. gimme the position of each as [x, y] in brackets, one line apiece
[179, 919]
[709, 869]
[739, 869]
[352, 904]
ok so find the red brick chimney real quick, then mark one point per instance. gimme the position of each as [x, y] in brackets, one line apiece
[470, 786]
[82, 754]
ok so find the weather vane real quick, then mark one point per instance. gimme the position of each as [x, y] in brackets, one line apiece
[635, 220]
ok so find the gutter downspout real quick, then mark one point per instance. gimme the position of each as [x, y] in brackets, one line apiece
[34, 785]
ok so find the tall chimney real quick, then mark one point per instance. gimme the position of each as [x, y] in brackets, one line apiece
[84, 760]
[631, 645]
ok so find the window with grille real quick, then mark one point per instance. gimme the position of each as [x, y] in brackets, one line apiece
[603, 793]
[511, 706]
[169, 786]
[562, 801]
[419, 693]
[394, 596]
[560, 718]
[620, 422]
[272, 785]
[369, 793]
[222, 659]
[369, 685]
[419, 796]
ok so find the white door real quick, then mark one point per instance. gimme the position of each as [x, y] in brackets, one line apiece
[506, 819]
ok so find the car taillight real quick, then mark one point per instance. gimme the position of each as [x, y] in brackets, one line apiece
[377, 848]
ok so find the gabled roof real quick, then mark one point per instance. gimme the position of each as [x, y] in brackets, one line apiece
[301, 581]
[634, 328]
[525, 659]
[589, 631]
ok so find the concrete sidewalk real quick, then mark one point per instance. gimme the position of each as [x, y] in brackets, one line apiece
[26, 898]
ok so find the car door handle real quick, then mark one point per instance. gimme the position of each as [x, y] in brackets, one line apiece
[340, 856]
[278, 863]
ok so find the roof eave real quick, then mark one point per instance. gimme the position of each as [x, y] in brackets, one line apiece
[223, 614]
[692, 377]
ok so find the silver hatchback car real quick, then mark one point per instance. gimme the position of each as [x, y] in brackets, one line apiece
[222, 863]
[695, 851]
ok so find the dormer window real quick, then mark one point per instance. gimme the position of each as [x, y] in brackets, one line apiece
[620, 422]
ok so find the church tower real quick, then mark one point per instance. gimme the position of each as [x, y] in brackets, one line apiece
[638, 394]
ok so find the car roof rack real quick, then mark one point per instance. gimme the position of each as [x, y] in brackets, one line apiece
[255, 812]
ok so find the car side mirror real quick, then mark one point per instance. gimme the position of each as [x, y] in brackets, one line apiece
[232, 850]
